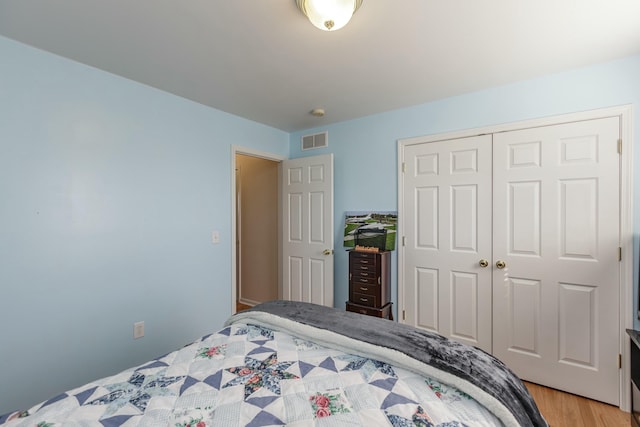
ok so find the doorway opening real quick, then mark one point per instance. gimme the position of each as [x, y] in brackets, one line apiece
[255, 227]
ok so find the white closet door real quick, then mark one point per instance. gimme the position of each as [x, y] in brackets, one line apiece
[447, 208]
[556, 227]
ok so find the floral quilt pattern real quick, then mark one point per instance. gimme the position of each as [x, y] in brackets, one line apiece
[246, 375]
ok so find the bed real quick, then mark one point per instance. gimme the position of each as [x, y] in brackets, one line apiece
[299, 364]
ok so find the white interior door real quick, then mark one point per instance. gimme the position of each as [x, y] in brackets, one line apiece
[556, 227]
[307, 241]
[447, 220]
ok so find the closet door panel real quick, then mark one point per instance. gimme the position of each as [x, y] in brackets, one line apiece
[556, 227]
[447, 203]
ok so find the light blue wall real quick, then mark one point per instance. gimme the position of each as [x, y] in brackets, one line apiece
[365, 150]
[109, 191]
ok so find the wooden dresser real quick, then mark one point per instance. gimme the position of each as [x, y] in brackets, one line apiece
[370, 283]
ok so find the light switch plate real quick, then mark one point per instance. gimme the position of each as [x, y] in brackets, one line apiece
[138, 330]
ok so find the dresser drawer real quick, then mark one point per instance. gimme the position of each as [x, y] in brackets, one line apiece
[364, 299]
[363, 271]
[363, 288]
[384, 312]
[362, 263]
[365, 256]
[359, 279]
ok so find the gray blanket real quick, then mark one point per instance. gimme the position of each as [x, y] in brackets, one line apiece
[469, 369]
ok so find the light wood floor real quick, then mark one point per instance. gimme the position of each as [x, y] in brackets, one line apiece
[564, 409]
[240, 307]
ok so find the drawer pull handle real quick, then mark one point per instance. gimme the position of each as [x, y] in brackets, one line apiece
[364, 274]
[363, 261]
[364, 268]
[363, 280]
[362, 288]
[364, 299]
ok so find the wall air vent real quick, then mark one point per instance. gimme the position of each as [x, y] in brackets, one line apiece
[317, 140]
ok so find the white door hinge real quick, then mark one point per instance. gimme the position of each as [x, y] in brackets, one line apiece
[620, 146]
[404, 167]
[404, 241]
[404, 315]
[619, 254]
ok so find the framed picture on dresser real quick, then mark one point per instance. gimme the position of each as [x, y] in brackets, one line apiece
[375, 229]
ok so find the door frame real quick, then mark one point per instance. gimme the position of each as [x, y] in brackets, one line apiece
[236, 149]
[625, 113]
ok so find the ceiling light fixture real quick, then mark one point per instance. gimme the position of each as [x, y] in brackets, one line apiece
[329, 15]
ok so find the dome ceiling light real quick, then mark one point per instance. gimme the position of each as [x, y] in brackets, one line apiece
[329, 15]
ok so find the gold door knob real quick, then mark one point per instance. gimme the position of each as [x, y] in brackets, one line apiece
[501, 264]
[327, 252]
[483, 263]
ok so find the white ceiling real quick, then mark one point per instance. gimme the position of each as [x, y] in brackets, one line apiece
[262, 59]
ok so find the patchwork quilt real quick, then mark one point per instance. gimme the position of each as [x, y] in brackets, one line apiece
[249, 374]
